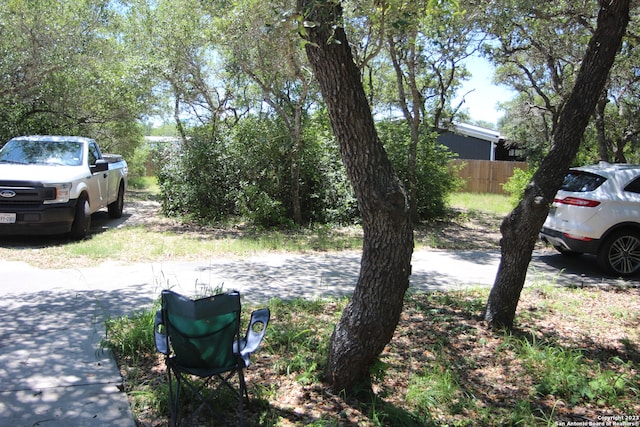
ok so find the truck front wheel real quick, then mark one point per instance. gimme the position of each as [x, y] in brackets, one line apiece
[82, 219]
[116, 208]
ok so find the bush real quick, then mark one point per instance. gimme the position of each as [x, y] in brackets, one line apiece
[328, 194]
[516, 185]
[248, 173]
[137, 164]
[196, 179]
[434, 179]
[260, 208]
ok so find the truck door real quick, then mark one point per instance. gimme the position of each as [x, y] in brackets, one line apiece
[99, 182]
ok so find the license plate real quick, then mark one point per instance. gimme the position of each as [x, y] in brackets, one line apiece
[7, 218]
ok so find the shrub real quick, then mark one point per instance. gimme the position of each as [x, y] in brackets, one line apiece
[516, 185]
[137, 165]
[196, 179]
[434, 179]
[260, 208]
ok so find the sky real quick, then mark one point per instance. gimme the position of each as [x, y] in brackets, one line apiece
[482, 102]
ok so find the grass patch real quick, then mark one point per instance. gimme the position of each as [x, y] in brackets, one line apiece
[131, 339]
[472, 223]
[443, 367]
[146, 184]
[145, 235]
[134, 240]
[139, 244]
[566, 373]
[481, 202]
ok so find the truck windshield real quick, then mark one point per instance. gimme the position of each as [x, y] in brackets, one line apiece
[43, 152]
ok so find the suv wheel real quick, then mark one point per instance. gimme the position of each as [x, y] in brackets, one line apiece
[620, 253]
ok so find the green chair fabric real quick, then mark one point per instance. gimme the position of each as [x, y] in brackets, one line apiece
[201, 338]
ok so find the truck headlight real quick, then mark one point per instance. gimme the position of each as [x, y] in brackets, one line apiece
[62, 192]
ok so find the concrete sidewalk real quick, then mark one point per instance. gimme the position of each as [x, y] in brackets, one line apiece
[53, 373]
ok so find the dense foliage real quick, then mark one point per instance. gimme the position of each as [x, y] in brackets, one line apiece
[231, 80]
[434, 177]
[538, 49]
[59, 73]
[245, 173]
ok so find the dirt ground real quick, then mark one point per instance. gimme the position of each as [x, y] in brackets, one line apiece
[480, 231]
[493, 380]
[595, 322]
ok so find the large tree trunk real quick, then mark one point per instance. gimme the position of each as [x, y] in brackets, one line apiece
[521, 227]
[369, 320]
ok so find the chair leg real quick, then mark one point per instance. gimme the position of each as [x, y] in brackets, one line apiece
[205, 398]
[242, 393]
[174, 399]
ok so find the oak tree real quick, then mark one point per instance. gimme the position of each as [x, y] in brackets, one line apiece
[520, 228]
[369, 320]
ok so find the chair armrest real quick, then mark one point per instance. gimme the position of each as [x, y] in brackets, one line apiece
[255, 332]
[162, 342]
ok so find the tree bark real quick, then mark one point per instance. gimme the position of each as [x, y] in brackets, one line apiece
[369, 320]
[599, 114]
[521, 227]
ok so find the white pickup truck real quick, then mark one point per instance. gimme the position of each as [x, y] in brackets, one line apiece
[52, 185]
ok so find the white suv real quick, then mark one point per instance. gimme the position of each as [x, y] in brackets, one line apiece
[597, 211]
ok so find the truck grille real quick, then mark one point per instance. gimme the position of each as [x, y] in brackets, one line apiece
[24, 193]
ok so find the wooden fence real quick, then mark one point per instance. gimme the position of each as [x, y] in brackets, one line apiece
[485, 176]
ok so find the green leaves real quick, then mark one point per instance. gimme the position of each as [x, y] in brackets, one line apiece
[66, 68]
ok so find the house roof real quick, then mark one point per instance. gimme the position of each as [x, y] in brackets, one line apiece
[476, 132]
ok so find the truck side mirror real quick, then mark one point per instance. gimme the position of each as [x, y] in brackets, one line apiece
[100, 165]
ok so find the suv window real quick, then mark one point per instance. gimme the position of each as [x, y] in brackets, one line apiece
[633, 186]
[580, 181]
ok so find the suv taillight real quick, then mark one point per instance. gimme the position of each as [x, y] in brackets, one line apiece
[576, 201]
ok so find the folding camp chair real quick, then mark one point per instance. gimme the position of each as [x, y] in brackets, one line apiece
[202, 346]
